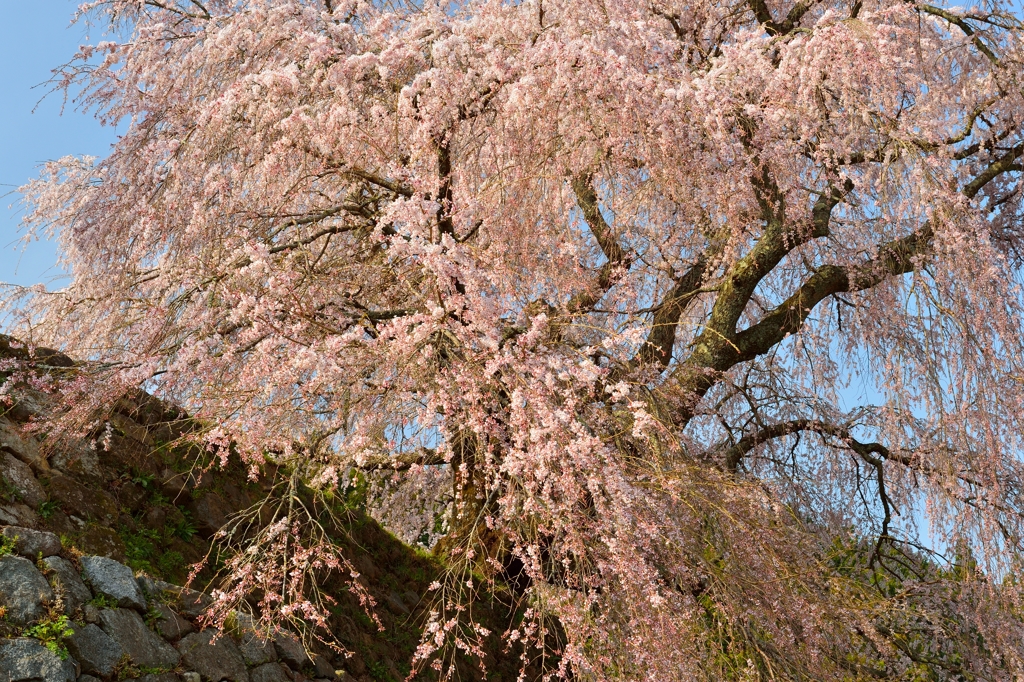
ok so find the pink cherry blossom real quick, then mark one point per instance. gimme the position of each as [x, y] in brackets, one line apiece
[700, 322]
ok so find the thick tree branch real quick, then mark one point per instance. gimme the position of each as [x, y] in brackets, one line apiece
[373, 178]
[962, 24]
[715, 350]
[786, 26]
[617, 258]
[657, 349]
[401, 461]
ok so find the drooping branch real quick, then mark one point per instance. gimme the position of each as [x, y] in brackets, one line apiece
[874, 454]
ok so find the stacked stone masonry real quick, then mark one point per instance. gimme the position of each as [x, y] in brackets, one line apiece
[71, 509]
[128, 627]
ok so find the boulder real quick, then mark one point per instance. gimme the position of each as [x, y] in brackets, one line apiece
[170, 625]
[256, 649]
[141, 644]
[99, 540]
[270, 672]
[157, 591]
[290, 651]
[94, 650]
[26, 660]
[23, 590]
[214, 660]
[32, 543]
[192, 604]
[67, 584]
[21, 445]
[87, 502]
[210, 512]
[23, 483]
[114, 580]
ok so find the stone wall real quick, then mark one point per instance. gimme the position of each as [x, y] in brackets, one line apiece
[125, 627]
[94, 526]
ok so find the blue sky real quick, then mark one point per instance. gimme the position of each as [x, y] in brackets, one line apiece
[36, 37]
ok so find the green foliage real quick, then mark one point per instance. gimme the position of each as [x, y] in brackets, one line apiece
[47, 508]
[126, 670]
[379, 671]
[170, 563]
[184, 528]
[102, 601]
[139, 547]
[152, 617]
[7, 490]
[7, 545]
[51, 633]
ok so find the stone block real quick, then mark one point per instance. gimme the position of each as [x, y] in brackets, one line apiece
[22, 445]
[86, 502]
[114, 580]
[170, 625]
[67, 583]
[210, 512]
[18, 514]
[142, 645]
[24, 591]
[19, 477]
[256, 649]
[157, 591]
[26, 660]
[192, 604]
[101, 541]
[32, 543]
[290, 651]
[214, 659]
[94, 650]
[270, 672]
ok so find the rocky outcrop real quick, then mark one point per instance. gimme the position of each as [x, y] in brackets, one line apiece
[214, 657]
